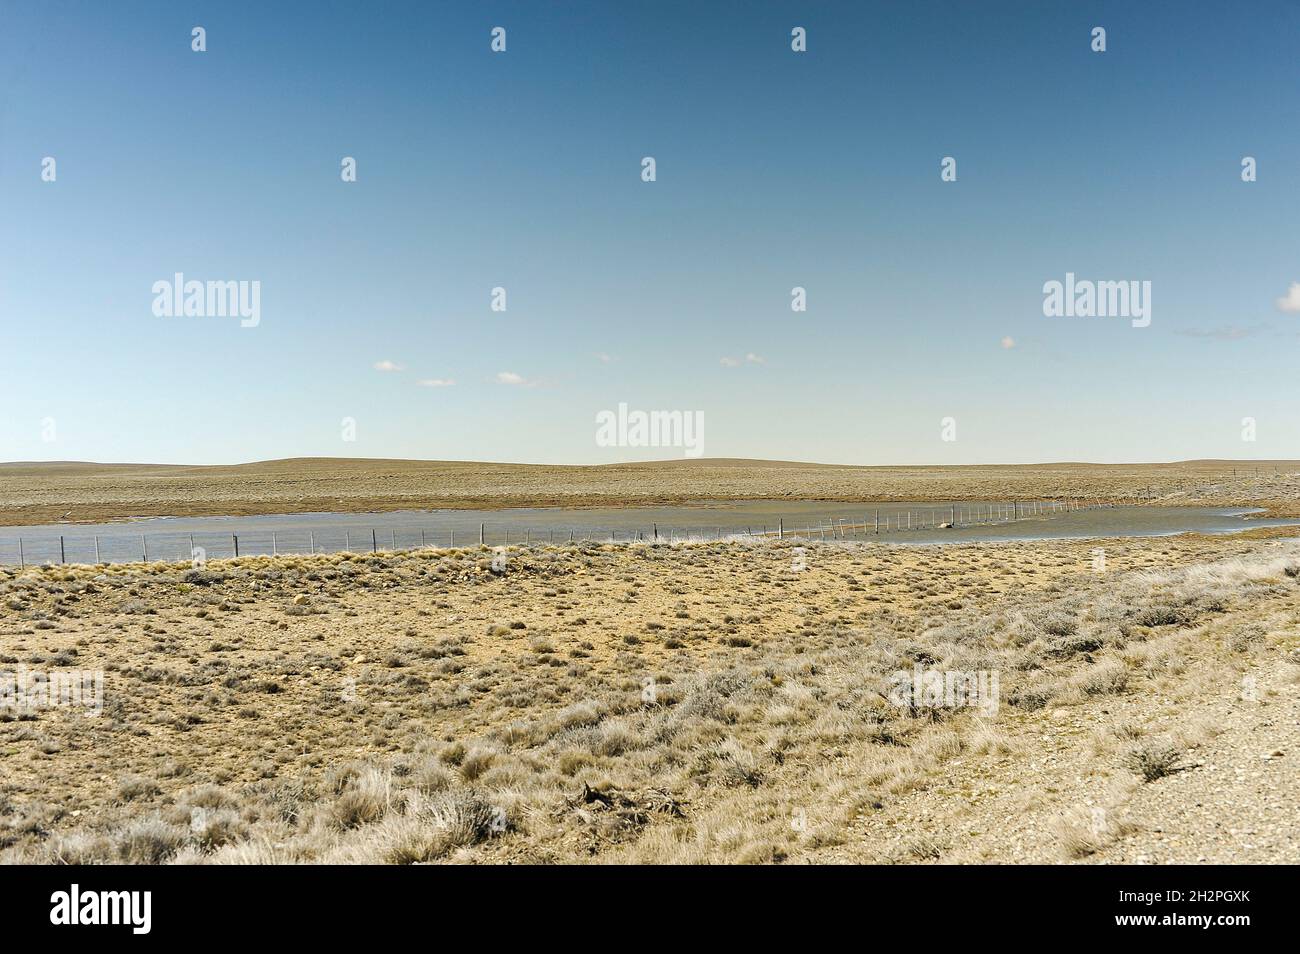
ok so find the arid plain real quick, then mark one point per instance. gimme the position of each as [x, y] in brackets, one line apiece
[84, 493]
[701, 702]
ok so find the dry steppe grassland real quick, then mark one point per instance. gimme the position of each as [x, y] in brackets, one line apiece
[719, 702]
[84, 493]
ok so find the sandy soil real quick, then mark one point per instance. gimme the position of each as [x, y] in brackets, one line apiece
[82, 493]
[714, 702]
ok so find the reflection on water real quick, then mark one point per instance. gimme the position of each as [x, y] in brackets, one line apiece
[907, 523]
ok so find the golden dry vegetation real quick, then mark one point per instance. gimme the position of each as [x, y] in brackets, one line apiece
[43, 493]
[722, 702]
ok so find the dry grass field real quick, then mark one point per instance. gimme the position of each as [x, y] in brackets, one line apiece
[726, 702]
[81, 493]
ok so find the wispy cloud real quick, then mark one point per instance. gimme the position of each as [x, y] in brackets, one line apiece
[1223, 333]
[1008, 342]
[730, 362]
[1291, 300]
[755, 358]
[604, 358]
[387, 365]
[509, 377]
[436, 383]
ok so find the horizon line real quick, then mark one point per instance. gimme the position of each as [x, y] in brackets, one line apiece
[660, 461]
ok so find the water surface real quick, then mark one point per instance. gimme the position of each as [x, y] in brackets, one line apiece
[164, 538]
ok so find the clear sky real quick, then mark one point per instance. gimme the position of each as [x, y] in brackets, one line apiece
[774, 169]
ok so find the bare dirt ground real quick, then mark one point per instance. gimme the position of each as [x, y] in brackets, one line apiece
[82, 493]
[725, 702]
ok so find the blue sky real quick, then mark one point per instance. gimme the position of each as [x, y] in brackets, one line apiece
[774, 169]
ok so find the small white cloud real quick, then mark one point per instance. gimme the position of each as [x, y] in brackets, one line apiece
[755, 358]
[509, 377]
[1008, 342]
[604, 358]
[387, 365]
[730, 362]
[1291, 301]
[436, 383]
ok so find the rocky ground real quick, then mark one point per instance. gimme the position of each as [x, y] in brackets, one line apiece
[725, 702]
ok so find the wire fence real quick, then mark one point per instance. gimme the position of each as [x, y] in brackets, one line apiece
[212, 545]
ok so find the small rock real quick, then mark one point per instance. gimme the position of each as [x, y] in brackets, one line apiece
[301, 600]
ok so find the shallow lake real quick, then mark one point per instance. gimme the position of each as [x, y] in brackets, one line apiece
[167, 538]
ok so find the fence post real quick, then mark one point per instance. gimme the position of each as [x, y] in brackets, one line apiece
[144, 545]
[63, 554]
[877, 520]
[480, 534]
[394, 539]
[656, 530]
[235, 537]
[97, 549]
[422, 541]
[347, 541]
[22, 559]
[275, 545]
[374, 541]
[780, 528]
[311, 536]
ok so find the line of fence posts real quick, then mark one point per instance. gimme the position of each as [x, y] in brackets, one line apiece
[836, 525]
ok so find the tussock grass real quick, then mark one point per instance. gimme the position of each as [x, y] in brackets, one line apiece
[430, 710]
